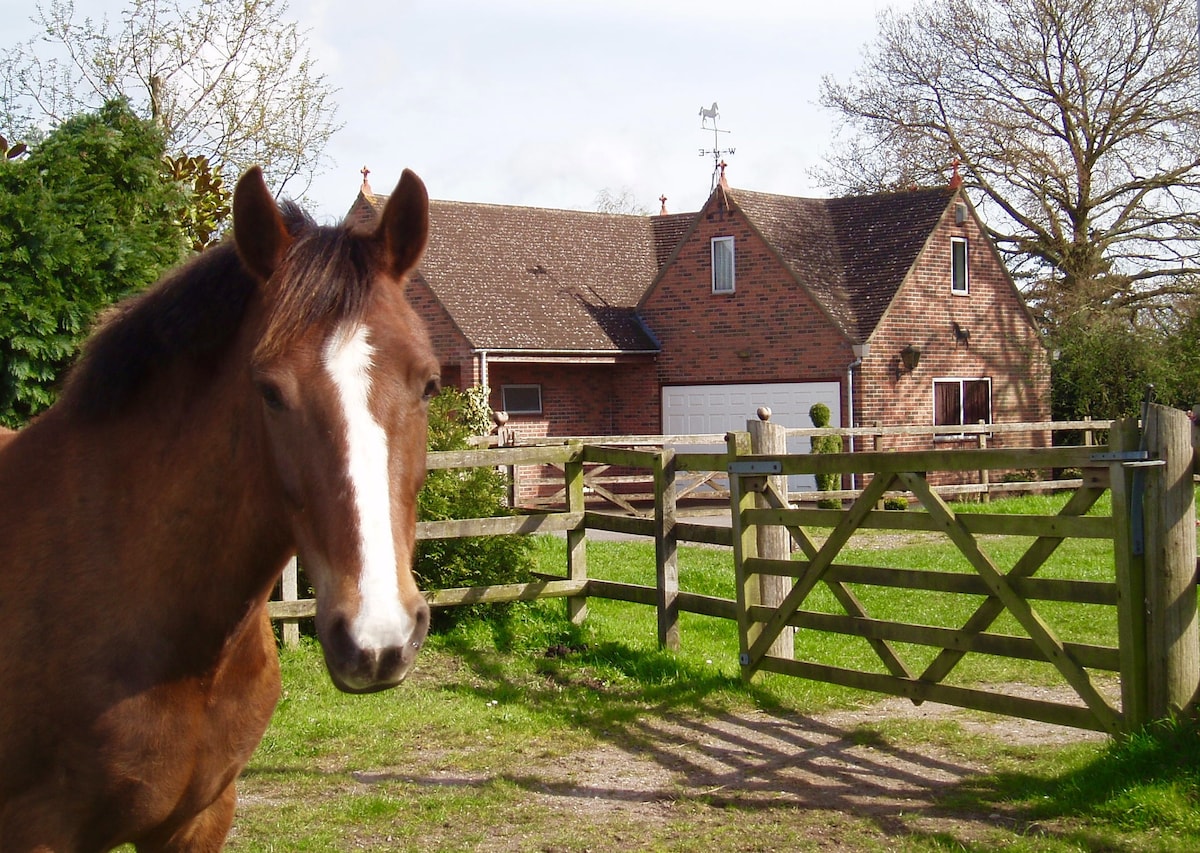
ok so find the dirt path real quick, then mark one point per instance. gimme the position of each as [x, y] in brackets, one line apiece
[820, 782]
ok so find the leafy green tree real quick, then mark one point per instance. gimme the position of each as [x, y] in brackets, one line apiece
[209, 202]
[1178, 382]
[1102, 370]
[85, 219]
[465, 493]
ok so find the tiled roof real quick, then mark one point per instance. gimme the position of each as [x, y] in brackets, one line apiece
[522, 278]
[562, 281]
[669, 229]
[854, 252]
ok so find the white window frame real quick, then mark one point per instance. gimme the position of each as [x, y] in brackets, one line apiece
[965, 290]
[961, 382]
[504, 392]
[723, 282]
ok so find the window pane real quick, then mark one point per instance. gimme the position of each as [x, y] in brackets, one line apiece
[977, 401]
[958, 265]
[947, 404]
[722, 261]
[522, 399]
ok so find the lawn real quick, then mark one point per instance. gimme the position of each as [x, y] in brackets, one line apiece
[523, 732]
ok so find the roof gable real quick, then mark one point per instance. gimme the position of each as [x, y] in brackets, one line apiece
[852, 253]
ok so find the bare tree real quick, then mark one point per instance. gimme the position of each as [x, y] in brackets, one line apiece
[231, 80]
[1076, 124]
[621, 201]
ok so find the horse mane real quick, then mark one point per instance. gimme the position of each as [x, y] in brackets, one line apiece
[195, 311]
[324, 278]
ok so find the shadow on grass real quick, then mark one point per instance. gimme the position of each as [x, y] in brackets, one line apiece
[672, 732]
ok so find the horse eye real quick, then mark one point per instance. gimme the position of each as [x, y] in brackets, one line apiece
[432, 388]
[272, 396]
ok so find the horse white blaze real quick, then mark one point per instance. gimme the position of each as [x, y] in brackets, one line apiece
[381, 620]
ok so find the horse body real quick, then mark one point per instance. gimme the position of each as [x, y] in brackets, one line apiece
[149, 513]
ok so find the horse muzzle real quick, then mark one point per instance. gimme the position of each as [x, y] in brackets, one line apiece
[358, 667]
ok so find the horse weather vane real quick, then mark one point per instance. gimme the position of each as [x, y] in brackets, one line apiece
[712, 114]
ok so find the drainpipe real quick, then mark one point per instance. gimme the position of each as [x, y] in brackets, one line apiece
[860, 351]
[483, 368]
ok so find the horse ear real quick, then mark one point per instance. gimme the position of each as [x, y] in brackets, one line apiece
[258, 229]
[404, 226]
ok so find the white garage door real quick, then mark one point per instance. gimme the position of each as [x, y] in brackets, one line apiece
[706, 409]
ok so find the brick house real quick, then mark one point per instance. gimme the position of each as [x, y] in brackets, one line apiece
[892, 309]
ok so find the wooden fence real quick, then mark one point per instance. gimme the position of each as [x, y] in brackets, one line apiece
[632, 491]
[1151, 525]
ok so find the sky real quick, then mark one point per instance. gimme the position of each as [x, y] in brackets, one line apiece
[550, 102]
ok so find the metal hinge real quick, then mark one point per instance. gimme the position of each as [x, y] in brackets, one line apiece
[753, 466]
[1121, 456]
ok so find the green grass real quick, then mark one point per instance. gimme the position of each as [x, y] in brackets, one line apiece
[460, 756]
[445, 762]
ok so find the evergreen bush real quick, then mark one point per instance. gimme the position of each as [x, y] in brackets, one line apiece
[819, 415]
[454, 417]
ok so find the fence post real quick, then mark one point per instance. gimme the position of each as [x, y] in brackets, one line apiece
[665, 550]
[745, 547]
[774, 543]
[290, 591]
[576, 536]
[984, 474]
[1131, 580]
[1171, 629]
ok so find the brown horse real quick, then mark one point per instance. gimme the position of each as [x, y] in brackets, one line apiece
[269, 397]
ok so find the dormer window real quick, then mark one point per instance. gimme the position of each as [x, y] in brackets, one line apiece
[722, 265]
[958, 266]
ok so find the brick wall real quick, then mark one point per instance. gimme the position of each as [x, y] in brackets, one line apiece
[453, 352]
[1003, 344]
[582, 399]
[577, 399]
[768, 330]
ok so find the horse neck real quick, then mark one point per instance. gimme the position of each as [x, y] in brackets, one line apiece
[182, 500]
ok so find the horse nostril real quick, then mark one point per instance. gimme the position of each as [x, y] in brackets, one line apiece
[390, 660]
[421, 629]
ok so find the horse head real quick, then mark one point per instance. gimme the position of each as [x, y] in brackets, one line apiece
[342, 373]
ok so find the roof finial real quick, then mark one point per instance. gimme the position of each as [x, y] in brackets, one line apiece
[366, 188]
[955, 178]
[721, 180]
[663, 200]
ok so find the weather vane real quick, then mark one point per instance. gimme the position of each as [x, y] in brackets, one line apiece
[717, 152]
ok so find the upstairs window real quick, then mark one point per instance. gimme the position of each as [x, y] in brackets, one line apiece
[962, 401]
[958, 266]
[521, 399]
[722, 265]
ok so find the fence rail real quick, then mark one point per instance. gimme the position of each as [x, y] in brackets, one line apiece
[777, 562]
[627, 490]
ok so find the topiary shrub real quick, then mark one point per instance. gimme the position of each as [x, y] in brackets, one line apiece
[465, 493]
[819, 415]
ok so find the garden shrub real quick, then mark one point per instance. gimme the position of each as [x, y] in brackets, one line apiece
[819, 414]
[454, 417]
